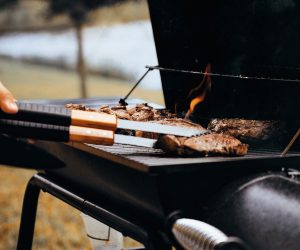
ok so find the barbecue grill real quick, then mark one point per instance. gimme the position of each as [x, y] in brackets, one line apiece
[252, 47]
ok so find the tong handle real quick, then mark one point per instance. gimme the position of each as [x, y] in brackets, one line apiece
[56, 133]
[94, 120]
[40, 113]
[61, 116]
[33, 130]
[91, 135]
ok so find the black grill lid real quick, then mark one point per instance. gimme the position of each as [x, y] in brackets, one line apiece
[249, 38]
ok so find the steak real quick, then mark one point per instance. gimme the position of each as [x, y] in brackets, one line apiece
[250, 131]
[206, 144]
[216, 144]
[209, 143]
[78, 107]
[172, 122]
[120, 111]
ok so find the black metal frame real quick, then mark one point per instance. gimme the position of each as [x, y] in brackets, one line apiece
[151, 240]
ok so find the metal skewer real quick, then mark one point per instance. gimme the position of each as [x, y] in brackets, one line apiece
[291, 143]
[223, 75]
[123, 100]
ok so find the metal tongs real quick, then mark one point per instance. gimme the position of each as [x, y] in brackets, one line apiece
[57, 123]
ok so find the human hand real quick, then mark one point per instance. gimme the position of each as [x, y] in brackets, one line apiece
[7, 101]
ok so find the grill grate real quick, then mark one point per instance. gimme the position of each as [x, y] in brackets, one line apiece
[149, 159]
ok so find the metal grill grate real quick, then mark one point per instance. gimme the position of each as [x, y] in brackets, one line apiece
[148, 159]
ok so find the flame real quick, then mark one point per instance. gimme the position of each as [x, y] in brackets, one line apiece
[203, 88]
[194, 103]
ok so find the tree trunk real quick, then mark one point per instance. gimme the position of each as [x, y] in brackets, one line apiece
[80, 61]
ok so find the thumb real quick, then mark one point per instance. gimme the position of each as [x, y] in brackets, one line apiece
[7, 101]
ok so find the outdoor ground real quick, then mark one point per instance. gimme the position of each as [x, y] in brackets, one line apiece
[58, 225]
[27, 81]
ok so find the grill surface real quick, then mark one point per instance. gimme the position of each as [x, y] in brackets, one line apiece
[155, 160]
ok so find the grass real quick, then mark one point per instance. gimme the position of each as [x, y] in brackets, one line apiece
[58, 225]
[29, 81]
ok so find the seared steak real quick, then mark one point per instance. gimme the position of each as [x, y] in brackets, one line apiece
[120, 111]
[206, 144]
[209, 144]
[78, 107]
[172, 122]
[143, 112]
[247, 130]
[216, 144]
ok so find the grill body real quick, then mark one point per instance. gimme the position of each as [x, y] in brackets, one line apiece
[263, 210]
[144, 186]
[133, 181]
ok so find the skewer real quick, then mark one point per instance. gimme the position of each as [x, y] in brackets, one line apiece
[291, 143]
[123, 100]
[223, 75]
[150, 68]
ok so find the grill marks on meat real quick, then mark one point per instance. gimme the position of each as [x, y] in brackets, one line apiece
[120, 111]
[252, 131]
[141, 112]
[207, 144]
[172, 122]
[216, 144]
[78, 107]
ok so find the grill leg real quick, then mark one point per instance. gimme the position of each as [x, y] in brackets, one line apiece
[156, 241]
[153, 240]
[28, 216]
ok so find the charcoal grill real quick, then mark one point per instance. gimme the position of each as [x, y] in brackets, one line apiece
[136, 190]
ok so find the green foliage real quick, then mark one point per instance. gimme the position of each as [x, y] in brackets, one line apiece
[77, 9]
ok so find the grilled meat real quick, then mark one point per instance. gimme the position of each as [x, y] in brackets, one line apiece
[78, 107]
[172, 122]
[247, 130]
[143, 113]
[216, 144]
[206, 144]
[120, 111]
[209, 144]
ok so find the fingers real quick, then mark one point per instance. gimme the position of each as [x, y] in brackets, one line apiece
[7, 101]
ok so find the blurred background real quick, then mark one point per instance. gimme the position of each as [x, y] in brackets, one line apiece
[59, 49]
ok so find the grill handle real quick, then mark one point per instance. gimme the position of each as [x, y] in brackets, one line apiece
[197, 235]
[56, 133]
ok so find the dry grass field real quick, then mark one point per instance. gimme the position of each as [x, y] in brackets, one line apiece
[28, 81]
[58, 225]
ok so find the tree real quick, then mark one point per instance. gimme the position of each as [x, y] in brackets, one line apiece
[78, 10]
[7, 3]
